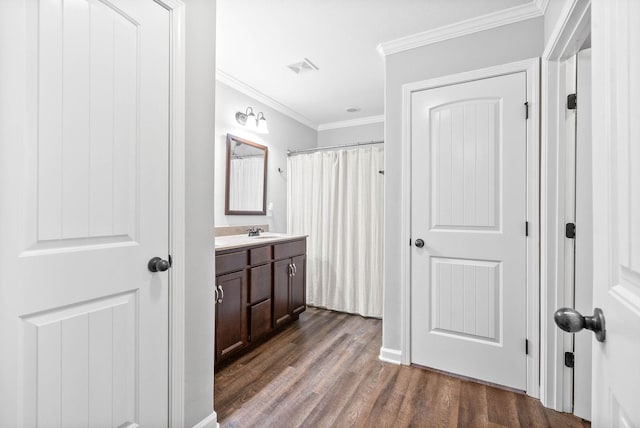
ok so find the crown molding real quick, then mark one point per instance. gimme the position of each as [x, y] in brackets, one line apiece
[242, 87]
[496, 19]
[353, 122]
[542, 5]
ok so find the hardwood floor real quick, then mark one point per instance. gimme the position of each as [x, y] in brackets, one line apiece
[323, 371]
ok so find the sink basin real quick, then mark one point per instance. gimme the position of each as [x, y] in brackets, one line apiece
[268, 235]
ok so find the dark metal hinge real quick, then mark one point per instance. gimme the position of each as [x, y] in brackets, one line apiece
[570, 230]
[526, 228]
[572, 101]
[526, 110]
[526, 346]
[569, 359]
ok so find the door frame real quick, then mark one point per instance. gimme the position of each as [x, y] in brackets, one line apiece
[177, 209]
[566, 39]
[532, 69]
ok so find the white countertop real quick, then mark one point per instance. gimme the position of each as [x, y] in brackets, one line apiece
[238, 241]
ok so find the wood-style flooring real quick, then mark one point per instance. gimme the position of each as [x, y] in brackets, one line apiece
[323, 371]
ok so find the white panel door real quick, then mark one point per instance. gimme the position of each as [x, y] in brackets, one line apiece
[85, 202]
[468, 205]
[616, 212]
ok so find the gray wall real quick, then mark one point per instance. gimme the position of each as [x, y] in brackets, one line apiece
[199, 263]
[284, 133]
[501, 45]
[351, 135]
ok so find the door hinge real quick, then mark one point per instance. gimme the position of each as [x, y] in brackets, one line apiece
[526, 110]
[572, 101]
[570, 230]
[569, 359]
[526, 228]
[526, 346]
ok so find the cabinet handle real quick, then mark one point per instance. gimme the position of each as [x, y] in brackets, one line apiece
[290, 268]
[221, 298]
[215, 290]
[295, 269]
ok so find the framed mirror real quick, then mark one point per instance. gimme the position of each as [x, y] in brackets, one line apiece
[246, 186]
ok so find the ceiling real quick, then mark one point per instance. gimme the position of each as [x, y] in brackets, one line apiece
[257, 39]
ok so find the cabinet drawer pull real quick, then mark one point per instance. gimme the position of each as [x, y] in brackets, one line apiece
[221, 298]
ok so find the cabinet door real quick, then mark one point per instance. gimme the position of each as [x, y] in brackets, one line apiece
[260, 283]
[260, 320]
[231, 314]
[281, 272]
[298, 282]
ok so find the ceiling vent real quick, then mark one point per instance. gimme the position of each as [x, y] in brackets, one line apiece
[303, 66]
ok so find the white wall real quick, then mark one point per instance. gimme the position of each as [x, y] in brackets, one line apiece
[501, 45]
[284, 133]
[199, 263]
[351, 135]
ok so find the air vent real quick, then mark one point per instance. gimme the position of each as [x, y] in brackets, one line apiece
[303, 66]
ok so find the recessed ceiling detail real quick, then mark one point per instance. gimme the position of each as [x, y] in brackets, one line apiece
[303, 66]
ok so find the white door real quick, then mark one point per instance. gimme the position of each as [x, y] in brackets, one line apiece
[84, 202]
[616, 212]
[468, 206]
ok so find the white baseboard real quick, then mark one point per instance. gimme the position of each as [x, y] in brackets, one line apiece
[210, 421]
[393, 356]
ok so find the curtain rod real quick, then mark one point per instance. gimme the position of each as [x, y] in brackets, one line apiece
[317, 149]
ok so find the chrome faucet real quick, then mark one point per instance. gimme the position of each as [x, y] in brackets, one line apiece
[255, 231]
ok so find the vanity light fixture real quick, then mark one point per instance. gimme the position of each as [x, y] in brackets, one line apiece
[262, 124]
[249, 120]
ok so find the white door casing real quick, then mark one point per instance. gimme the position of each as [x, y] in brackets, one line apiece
[85, 205]
[469, 205]
[567, 37]
[616, 210]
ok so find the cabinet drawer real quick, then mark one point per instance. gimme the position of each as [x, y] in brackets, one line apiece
[260, 255]
[260, 319]
[231, 262]
[260, 283]
[289, 249]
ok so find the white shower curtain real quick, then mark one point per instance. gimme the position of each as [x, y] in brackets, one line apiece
[336, 197]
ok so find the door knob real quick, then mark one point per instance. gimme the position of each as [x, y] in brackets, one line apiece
[572, 321]
[157, 264]
[419, 243]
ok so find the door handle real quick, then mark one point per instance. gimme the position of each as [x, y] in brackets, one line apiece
[221, 293]
[157, 264]
[572, 321]
[419, 243]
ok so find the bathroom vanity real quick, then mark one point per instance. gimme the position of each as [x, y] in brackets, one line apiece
[260, 287]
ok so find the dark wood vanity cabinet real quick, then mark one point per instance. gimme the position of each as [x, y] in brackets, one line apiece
[289, 294]
[231, 316]
[259, 289]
